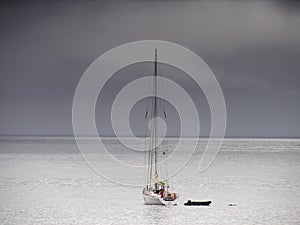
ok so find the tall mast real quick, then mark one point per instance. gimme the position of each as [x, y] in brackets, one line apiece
[152, 160]
[155, 111]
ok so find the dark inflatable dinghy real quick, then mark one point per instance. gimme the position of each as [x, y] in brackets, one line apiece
[191, 203]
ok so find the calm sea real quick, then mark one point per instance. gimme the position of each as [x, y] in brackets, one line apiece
[45, 180]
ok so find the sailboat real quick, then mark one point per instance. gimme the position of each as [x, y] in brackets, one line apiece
[156, 191]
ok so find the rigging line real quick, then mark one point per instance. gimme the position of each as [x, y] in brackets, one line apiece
[150, 160]
[163, 102]
[152, 144]
[147, 137]
[145, 143]
[152, 135]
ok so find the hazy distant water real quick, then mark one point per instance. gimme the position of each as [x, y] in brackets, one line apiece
[46, 181]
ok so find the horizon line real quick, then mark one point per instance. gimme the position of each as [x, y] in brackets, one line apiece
[112, 136]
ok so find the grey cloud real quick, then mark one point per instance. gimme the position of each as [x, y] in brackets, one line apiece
[253, 47]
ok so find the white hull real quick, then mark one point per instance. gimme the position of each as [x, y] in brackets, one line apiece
[151, 198]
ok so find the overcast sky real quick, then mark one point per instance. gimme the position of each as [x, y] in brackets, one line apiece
[253, 48]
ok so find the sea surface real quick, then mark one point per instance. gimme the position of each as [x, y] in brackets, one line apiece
[45, 180]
